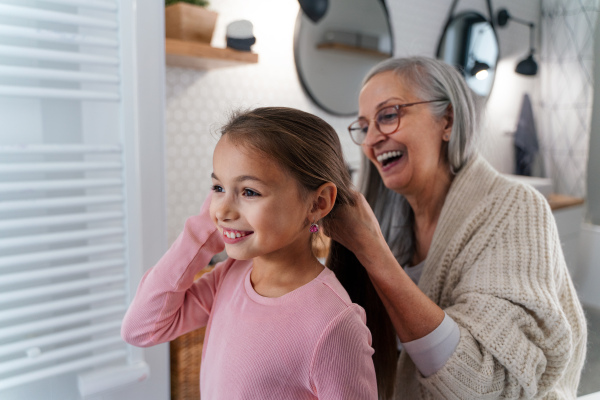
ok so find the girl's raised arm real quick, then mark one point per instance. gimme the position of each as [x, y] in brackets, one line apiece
[168, 302]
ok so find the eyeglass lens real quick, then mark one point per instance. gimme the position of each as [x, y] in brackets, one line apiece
[387, 121]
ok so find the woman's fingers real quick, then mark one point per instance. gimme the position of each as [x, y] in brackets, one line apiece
[352, 226]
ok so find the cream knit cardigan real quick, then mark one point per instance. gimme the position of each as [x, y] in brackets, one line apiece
[496, 266]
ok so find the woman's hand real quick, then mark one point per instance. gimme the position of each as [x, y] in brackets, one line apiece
[356, 228]
[412, 313]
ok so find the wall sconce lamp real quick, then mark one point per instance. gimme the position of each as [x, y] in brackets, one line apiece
[527, 66]
[480, 70]
[314, 9]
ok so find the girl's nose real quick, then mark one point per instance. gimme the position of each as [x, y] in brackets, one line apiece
[225, 209]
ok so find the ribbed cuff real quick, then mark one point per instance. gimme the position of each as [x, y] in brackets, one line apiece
[431, 352]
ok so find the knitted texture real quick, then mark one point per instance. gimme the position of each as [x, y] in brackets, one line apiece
[311, 343]
[496, 267]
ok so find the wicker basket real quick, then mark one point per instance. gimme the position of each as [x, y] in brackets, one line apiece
[186, 354]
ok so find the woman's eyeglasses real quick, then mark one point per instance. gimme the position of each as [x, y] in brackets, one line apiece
[387, 121]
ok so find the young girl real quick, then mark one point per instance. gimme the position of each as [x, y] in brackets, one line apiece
[279, 324]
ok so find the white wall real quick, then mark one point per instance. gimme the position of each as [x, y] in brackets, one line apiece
[593, 179]
[198, 102]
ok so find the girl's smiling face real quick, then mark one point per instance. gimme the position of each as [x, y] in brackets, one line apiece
[256, 205]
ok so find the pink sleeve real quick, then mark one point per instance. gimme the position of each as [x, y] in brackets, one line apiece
[342, 366]
[168, 303]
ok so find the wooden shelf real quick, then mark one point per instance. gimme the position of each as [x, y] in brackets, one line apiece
[558, 201]
[203, 56]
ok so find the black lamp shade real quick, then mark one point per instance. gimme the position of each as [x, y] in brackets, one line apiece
[527, 67]
[478, 67]
[314, 9]
[503, 17]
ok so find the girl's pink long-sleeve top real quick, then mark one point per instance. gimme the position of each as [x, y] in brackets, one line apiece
[311, 343]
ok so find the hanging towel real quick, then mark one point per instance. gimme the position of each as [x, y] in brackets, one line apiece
[525, 139]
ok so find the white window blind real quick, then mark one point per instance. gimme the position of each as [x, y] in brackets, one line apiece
[64, 250]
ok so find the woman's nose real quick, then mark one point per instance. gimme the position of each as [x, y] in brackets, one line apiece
[373, 136]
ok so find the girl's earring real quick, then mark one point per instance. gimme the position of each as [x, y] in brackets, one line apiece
[314, 228]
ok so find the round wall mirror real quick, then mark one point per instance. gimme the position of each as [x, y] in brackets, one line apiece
[469, 42]
[334, 54]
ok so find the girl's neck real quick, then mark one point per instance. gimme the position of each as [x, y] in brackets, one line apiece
[276, 277]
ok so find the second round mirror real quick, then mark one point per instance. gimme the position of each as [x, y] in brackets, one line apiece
[469, 42]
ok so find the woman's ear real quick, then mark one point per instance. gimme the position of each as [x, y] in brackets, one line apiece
[448, 119]
[323, 201]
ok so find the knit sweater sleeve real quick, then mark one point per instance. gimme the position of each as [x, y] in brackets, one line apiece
[168, 302]
[520, 324]
[342, 365]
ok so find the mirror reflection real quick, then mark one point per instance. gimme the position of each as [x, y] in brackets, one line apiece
[469, 42]
[334, 54]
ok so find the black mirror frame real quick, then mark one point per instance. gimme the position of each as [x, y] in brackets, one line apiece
[451, 18]
[297, 62]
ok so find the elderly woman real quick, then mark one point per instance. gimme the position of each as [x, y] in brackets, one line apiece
[467, 263]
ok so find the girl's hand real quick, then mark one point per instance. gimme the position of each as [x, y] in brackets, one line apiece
[356, 228]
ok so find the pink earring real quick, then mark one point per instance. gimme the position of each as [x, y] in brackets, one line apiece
[314, 228]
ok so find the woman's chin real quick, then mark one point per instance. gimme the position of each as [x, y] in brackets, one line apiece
[395, 186]
[393, 174]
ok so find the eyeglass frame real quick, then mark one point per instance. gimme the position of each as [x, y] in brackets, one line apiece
[398, 107]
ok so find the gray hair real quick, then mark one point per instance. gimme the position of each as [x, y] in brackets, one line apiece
[429, 79]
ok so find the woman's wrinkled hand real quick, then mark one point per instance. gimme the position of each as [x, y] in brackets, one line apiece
[355, 227]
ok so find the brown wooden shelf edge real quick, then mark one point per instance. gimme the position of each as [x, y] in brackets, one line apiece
[558, 201]
[199, 55]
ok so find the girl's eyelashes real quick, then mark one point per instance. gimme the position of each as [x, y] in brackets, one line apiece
[250, 193]
[245, 192]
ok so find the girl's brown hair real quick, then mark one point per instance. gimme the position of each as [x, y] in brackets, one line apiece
[310, 150]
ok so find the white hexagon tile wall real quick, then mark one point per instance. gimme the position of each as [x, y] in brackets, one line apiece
[567, 65]
[199, 102]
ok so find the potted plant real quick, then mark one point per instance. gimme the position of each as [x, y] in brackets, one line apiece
[189, 20]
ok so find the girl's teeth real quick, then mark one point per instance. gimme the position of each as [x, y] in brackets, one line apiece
[233, 235]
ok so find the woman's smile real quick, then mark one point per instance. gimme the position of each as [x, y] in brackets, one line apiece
[389, 156]
[389, 159]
